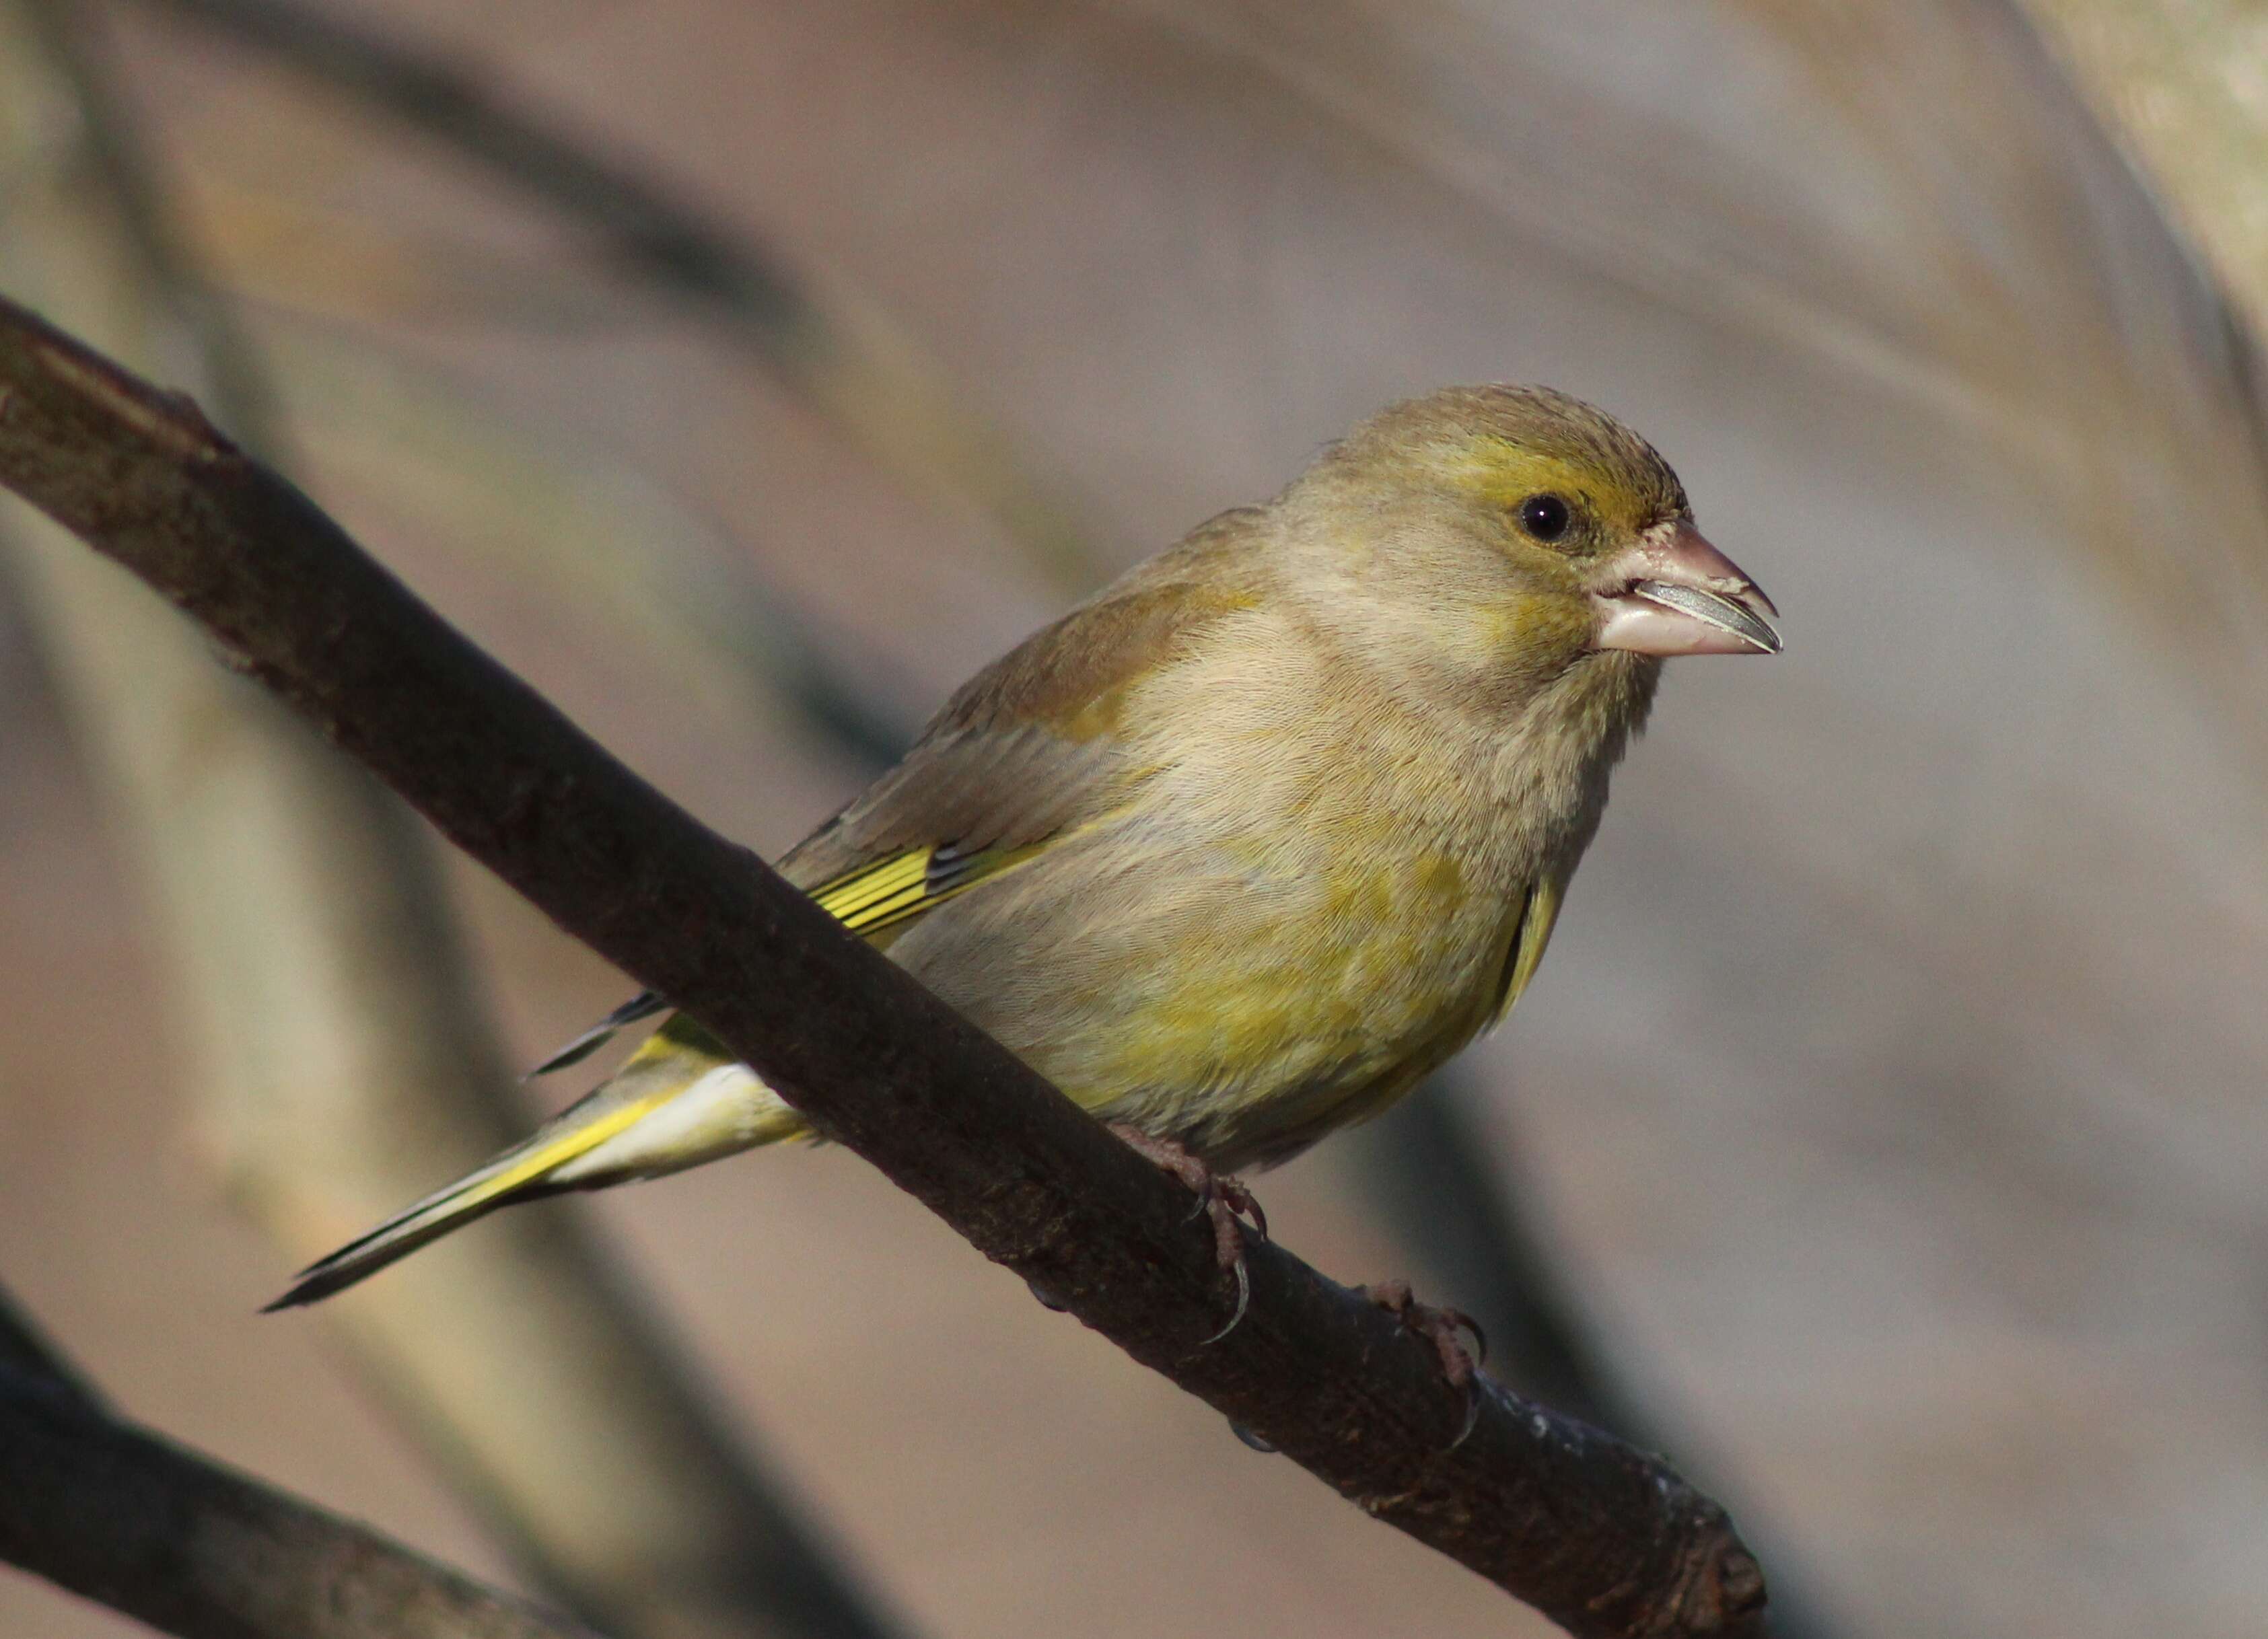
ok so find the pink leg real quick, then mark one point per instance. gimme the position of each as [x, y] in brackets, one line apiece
[1440, 1327]
[1224, 1200]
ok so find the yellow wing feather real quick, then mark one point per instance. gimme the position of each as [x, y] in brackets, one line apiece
[861, 897]
[887, 891]
[1537, 920]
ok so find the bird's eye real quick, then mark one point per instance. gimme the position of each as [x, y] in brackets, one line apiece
[1545, 517]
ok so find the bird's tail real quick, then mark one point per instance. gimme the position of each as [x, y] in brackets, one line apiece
[677, 1103]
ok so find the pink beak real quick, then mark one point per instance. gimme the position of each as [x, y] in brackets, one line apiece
[1675, 594]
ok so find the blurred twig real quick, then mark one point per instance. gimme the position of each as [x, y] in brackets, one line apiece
[272, 241]
[1606, 1541]
[891, 399]
[346, 1065]
[1989, 257]
[2180, 85]
[589, 529]
[1431, 1173]
[119, 1515]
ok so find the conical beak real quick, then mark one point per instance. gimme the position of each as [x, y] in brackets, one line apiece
[1675, 594]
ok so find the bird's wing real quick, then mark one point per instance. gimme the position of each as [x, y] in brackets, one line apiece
[1030, 746]
[644, 1004]
[1026, 752]
[1538, 918]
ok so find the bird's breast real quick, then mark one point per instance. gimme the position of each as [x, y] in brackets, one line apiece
[1296, 916]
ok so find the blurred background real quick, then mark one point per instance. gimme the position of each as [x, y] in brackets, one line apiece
[1884, 1137]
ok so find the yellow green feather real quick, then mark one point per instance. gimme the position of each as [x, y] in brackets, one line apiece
[889, 890]
[574, 1142]
[1536, 924]
[852, 899]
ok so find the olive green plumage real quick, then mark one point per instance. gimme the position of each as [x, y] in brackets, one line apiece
[1241, 848]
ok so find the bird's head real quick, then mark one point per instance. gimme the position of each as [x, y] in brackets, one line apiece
[1516, 526]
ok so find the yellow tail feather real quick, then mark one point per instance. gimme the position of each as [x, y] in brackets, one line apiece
[505, 1178]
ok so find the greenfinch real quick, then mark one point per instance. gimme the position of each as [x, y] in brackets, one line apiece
[1240, 850]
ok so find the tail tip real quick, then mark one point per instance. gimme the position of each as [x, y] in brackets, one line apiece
[315, 1282]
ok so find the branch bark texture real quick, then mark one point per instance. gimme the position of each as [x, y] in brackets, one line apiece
[1605, 1540]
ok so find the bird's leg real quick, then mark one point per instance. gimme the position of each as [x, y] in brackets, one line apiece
[1223, 1199]
[1442, 1328]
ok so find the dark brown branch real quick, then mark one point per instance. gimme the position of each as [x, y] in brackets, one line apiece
[25, 1350]
[1603, 1538]
[117, 1514]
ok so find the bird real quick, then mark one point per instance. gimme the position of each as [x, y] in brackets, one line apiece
[1241, 848]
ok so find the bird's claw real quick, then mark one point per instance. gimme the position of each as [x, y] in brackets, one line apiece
[1443, 1328]
[1221, 1194]
[1235, 1265]
[1225, 1200]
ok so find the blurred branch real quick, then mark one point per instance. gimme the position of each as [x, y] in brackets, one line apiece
[2180, 87]
[121, 1516]
[616, 545]
[345, 1064]
[1603, 1538]
[2091, 346]
[277, 241]
[1984, 253]
[892, 400]
[1432, 1174]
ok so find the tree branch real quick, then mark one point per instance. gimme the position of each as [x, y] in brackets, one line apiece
[342, 1059]
[1605, 1540]
[1445, 1191]
[120, 1515]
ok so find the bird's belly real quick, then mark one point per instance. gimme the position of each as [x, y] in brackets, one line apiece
[1246, 1017]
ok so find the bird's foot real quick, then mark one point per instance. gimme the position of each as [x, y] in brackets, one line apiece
[1445, 1330]
[1223, 1199]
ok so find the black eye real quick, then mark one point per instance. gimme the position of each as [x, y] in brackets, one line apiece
[1545, 517]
